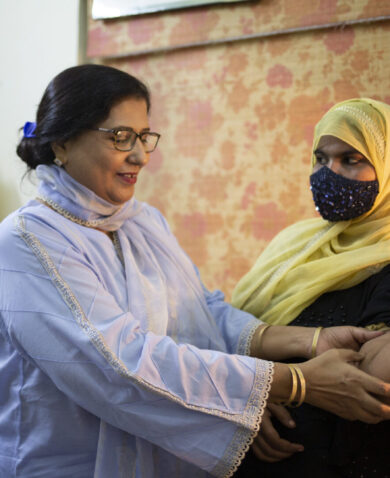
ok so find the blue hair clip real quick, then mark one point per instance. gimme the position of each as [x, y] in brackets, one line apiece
[28, 129]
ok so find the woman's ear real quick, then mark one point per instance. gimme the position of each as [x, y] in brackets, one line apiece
[60, 153]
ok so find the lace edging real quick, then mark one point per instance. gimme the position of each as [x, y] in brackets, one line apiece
[69, 215]
[246, 336]
[118, 248]
[243, 438]
[98, 341]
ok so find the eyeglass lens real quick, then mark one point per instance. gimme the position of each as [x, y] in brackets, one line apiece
[125, 140]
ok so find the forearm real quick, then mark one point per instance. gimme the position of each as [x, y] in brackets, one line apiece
[281, 342]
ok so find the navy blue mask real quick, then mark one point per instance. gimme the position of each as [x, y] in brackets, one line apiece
[338, 198]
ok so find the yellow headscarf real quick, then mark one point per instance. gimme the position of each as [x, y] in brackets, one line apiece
[316, 256]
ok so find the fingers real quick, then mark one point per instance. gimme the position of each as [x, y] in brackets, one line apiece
[368, 410]
[338, 337]
[363, 335]
[363, 405]
[335, 357]
[375, 385]
[347, 337]
[282, 414]
[374, 411]
[266, 452]
[350, 355]
[268, 446]
[338, 387]
[374, 404]
[271, 439]
[338, 355]
[262, 455]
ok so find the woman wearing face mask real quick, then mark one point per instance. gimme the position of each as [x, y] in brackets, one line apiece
[114, 359]
[326, 272]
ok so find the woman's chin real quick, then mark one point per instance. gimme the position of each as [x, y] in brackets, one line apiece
[119, 199]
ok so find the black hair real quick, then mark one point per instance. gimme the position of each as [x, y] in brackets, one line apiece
[77, 99]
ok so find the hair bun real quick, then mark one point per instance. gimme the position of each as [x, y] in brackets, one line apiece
[33, 153]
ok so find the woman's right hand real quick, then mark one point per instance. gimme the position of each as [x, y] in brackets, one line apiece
[335, 384]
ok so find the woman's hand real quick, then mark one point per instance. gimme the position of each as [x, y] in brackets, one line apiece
[268, 446]
[335, 384]
[377, 358]
[344, 337]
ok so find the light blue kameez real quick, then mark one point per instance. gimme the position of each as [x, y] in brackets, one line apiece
[115, 361]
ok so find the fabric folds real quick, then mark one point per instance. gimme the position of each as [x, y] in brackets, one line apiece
[122, 365]
[316, 256]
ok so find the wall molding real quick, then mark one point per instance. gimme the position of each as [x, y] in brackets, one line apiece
[241, 38]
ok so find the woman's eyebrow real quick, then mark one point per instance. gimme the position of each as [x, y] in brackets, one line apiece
[122, 126]
[347, 151]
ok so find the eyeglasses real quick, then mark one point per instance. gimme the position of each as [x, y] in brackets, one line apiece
[125, 138]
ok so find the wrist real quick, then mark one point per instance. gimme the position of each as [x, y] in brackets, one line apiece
[316, 336]
[281, 383]
[289, 385]
[283, 342]
[305, 341]
[256, 343]
[302, 341]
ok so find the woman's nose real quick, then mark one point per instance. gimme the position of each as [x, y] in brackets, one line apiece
[333, 165]
[137, 154]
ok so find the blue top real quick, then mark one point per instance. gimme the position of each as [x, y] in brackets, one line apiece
[115, 361]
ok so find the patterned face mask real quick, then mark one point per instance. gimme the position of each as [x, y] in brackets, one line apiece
[338, 198]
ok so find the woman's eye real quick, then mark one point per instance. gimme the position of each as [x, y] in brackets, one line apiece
[321, 160]
[351, 160]
[122, 138]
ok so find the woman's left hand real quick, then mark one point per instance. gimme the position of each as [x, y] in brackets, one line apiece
[344, 337]
[268, 445]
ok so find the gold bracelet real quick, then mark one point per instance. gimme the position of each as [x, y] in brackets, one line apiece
[260, 335]
[302, 383]
[315, 341]
[294, 387]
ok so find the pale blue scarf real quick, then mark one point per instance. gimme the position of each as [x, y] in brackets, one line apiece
[58, 187]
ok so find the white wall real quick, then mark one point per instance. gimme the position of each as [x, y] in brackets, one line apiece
[38, 39]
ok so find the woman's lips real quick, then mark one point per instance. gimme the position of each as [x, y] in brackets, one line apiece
[128, 178]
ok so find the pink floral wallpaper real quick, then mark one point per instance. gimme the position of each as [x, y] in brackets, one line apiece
[236, 119]
[180, 27]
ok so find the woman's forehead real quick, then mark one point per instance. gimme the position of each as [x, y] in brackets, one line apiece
[335, 143]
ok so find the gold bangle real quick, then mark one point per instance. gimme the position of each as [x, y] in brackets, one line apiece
[260, 335]
[302, 383]
[294, 387]
[315, 341]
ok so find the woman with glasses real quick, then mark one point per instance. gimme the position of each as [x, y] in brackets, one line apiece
[115, 361]
[328, 271]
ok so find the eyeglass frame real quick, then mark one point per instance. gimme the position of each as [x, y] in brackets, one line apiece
[127, 128]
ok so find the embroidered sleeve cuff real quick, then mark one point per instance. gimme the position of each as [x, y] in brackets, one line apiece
[246, 336]
[254, 411]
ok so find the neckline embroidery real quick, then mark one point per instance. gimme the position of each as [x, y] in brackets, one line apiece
[113, 235]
